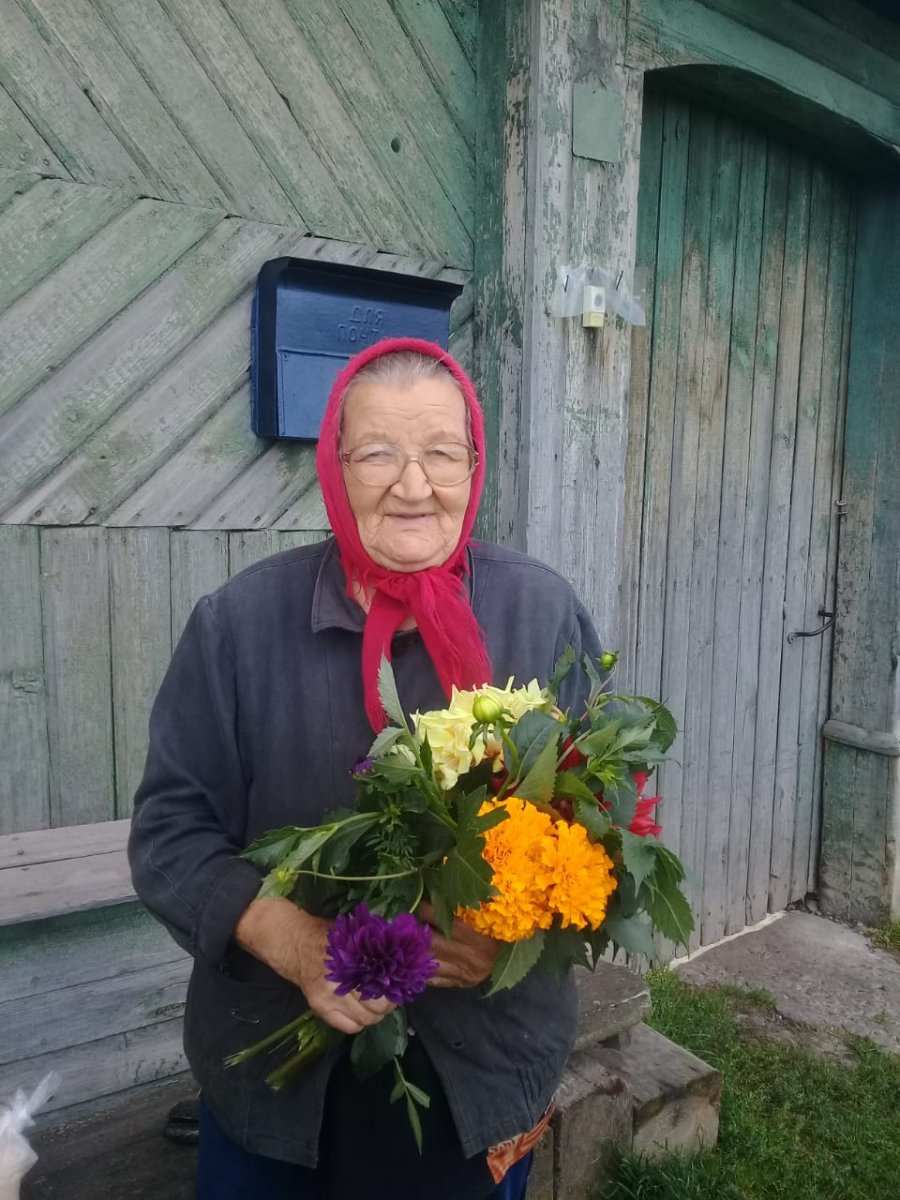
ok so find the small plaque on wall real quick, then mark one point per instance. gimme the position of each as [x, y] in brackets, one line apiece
[309, 318]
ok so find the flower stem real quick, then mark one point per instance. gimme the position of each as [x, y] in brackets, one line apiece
[285, 1033]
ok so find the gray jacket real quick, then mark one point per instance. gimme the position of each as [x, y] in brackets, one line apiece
[257, 723]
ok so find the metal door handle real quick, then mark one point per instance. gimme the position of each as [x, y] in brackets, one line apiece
[792, 637]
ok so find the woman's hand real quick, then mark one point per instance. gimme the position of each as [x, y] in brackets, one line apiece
[293, 942]
[465, 959]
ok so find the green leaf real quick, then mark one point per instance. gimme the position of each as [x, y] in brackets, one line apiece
[666, 730]
[421, 1098]
[562, 949]
[537, 785]
[466, 876]
[374, 1047]
[308, 846]
[640, 856]
[466, 808]
[495, 817]
[570, 784]
[335, 854]
[444, 910]
[670, 912]
[599, 740]
[390, 697]
[594, 678]
[593, 818]
[385, 740]
[272, 848]
[622, 801]
[414, 1123]
[631, 934]
[514, 960]
[564, 665]
[530, 735]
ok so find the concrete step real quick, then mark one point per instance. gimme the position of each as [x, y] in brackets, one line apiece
[675, 1095]
[611, 1001]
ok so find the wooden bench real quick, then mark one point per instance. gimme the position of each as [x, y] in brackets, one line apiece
[91, 985]
[51, 872]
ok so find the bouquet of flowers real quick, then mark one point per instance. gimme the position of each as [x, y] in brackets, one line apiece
[528, 823]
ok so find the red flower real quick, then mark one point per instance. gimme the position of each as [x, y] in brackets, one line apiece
[642, 822]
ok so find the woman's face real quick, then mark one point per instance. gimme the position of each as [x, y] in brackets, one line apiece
[412, 524]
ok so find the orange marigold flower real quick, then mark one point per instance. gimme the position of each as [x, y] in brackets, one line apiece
[513, 848]
[577, 876]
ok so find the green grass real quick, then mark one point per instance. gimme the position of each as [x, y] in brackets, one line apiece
[792, 1127]
[887, 935]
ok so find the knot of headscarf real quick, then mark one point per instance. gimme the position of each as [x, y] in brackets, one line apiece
[436, 597]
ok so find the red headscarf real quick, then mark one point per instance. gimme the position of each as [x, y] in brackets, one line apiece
[436, 596]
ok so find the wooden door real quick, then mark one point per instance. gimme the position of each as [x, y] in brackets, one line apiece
[735, 428]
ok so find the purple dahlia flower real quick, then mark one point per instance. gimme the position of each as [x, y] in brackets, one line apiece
[377, 957]
[363, 766]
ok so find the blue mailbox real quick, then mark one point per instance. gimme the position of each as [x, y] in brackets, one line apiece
[309, 318]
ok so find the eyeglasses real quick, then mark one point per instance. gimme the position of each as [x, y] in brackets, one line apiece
[381, 464]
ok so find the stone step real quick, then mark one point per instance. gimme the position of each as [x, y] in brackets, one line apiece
[611, 1001]
[675, 1095]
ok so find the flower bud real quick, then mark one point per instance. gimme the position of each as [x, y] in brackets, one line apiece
[609, 659]
[486, 709]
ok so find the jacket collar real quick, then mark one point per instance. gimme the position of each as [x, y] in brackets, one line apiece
[332, 608]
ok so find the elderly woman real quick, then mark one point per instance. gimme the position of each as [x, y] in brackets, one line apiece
[270, 699]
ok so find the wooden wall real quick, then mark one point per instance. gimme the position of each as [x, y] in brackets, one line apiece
[564, 484]
[153, 154]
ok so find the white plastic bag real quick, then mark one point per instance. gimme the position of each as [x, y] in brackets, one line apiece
[16, 1155]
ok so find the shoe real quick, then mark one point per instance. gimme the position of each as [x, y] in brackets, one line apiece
[183, 1122]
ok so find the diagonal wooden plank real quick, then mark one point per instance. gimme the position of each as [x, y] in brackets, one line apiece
[386, 124]
[141, 641]
[264, 115]
[44, 226]
[185, 89]
[14, 184]
[192, 477]
[411, 91]
[462, 16]
[430, 32]
[44, 328]
[75, 610]
[21, 146]
[124, 357]
[259, 496]
[143, 433]
[381, 209]
[306, 512]
[130, 108]
[43, 88]
[24, 780]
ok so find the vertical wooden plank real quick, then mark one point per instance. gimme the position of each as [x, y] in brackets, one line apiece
[788, 786]
[24, 780]
[754, 538]
[840, 360]
[772, 631]
[249, 546]
[289, 538]
[75, 610]
[639, 386]
[686, 435]
[729, 822]
[141, 638]
[709, 813]
[823, 529]
[665, 331]
[198, 562]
